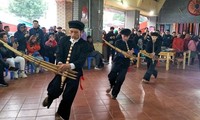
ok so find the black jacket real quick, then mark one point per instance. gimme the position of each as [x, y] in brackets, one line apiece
[120, 58]
[3, 63]
[20, 38]
[59, 35]
[111, 37]
[6, 53]
[157, 46]
[78, 55]
[167, 41]
[90, 47]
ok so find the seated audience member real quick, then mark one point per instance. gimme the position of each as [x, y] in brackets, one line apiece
[3, 65]
[11, 59]
[50, 48]
[186, 41]
[13, 43]
[96, 54]
[33, 47]
[177, 45]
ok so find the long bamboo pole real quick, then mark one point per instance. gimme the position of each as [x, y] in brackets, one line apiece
[131, 57]
[46, 65]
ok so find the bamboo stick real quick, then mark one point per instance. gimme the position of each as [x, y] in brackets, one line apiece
[46, 65]
[131, 57]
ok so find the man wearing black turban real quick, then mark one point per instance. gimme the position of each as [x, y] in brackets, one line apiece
[120, 63]
[72, 53]
[153, 48]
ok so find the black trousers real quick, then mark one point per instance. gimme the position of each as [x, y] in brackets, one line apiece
[199, 60]
[150, 69]
[116, 77]
[1, 73]
[2, 66]
[69, 93]
[52, 58]
[110, 51]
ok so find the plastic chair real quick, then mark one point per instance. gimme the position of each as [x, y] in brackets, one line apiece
[30, 67]
[89, 61]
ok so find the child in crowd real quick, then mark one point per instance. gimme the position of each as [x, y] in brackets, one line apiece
[50, 48]
[33, 47]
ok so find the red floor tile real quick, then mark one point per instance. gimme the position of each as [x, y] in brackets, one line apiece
[174, 95]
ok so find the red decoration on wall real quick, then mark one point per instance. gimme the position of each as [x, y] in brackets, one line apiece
[194, 7]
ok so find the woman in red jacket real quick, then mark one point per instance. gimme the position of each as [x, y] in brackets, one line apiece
[33, 47]
[178, 45]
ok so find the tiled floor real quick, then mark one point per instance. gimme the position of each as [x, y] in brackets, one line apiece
[175, 95]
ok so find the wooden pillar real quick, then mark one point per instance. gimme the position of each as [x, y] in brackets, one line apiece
[64, 13]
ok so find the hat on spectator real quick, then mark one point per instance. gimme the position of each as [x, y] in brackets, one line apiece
[76, 24]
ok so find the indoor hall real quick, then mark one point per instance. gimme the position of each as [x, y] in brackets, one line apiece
[173, 95]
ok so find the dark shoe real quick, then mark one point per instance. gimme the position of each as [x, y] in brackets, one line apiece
[113, 97]
[4, 84]
[47, 102]
[155, 75]
[13, 69]
[145, 81]
[108, 90]
[58, 117]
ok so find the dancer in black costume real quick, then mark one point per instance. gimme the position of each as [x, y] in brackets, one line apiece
[72, 53]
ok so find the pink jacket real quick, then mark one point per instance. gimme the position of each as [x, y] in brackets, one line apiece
[192, 45]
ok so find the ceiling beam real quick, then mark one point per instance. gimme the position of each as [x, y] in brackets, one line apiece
[139, 2]
[144, 6]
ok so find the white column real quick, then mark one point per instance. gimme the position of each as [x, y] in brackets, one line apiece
[132, 19]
